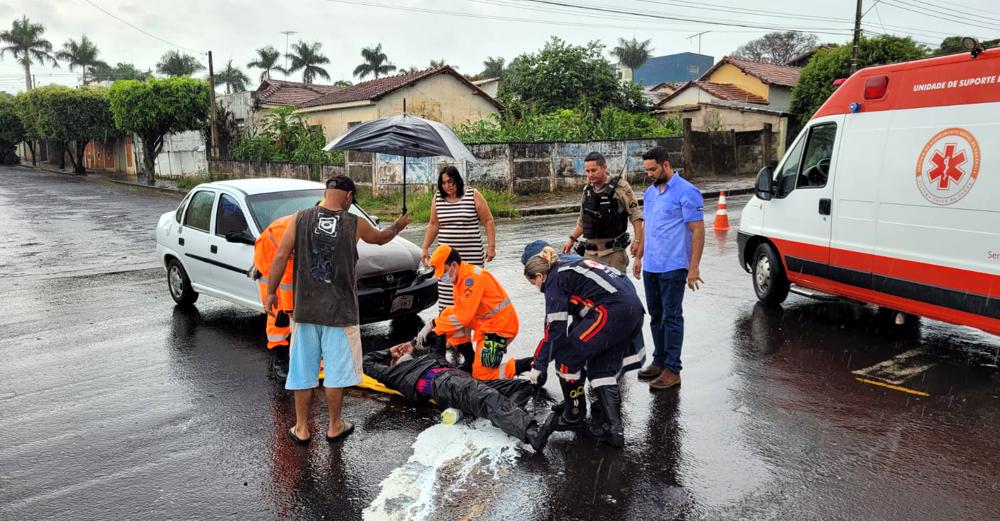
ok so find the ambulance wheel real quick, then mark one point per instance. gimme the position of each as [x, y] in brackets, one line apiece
[769, 279]
[179, 284]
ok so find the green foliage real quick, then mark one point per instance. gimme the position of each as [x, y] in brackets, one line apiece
[25, 43]
[121, 71]
[308, 57]
[157, 107]
[176, 63]
[375, 63]
[632, 53]
[418, 203]
[816, 81]
[492, 68]
[777, 47]
[83, 54]
[266, 61]
[568, 125]
[953, 45]
[285, 136]
[66, 114]
[187, 182]
[11, 130]
[564, 76]
[233, 78]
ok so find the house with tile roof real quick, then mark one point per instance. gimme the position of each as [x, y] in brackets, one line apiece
[438, 93]
[735, 94]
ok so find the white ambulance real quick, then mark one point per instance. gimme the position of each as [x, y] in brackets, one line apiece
[890, 195]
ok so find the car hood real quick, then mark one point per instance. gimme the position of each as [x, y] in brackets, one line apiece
[396, 255]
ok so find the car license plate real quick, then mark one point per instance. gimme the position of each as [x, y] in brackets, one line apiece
[401, 302]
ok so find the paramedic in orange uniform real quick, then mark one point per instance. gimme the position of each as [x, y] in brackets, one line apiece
[278, 326]
[482, 315]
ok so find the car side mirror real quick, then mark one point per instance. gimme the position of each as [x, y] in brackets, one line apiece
[242, 237]
[764, 186]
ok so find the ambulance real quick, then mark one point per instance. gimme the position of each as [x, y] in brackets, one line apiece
[890, 195]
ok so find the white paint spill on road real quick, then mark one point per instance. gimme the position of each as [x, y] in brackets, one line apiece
[447, 460]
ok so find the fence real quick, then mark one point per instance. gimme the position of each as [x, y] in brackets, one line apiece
[248, 169]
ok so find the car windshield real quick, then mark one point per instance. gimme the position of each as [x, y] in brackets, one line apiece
[265, 208]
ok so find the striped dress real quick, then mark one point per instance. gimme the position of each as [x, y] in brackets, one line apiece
[458, 227]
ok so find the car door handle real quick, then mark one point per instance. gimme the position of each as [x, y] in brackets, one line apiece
[824, 206]
[214, 249]
[180, 240]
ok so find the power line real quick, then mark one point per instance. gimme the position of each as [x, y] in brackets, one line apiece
[935, 9]
[141, 30]
[937, 16]
[742, 10]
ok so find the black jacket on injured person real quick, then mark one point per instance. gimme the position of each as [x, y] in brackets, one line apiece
[422, 378]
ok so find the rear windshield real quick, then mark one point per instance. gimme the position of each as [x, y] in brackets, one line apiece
[265, 208]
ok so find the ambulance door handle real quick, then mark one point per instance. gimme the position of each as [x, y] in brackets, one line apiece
[824, 206]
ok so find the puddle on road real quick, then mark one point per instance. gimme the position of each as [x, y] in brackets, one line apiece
[453, 467]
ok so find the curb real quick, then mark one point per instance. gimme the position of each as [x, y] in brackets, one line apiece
[98, 178]
[574, 208]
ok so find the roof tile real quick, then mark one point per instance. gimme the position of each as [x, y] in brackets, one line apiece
[730, 92]
[770, 73]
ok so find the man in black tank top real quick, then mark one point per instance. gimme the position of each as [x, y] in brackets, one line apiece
[324, 240]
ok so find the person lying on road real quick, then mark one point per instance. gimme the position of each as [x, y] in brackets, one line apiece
[423, 378]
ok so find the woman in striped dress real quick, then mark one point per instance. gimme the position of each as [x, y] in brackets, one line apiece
[456, 214]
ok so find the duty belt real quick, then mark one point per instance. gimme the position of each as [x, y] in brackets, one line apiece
[601, 247]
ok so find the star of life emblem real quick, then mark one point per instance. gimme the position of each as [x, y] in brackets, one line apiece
[948, 166]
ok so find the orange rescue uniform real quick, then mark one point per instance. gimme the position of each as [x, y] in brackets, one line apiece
[481, 305]
[263, 256]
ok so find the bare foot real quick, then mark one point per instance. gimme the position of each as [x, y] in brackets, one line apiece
[335, 429]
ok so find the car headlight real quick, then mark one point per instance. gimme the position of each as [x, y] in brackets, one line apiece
[424, 272]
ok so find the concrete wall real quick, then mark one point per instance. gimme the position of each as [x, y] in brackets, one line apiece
[780, 98]
[710, 117]
[335, 122]
[729, 73]
[247, 169]
[183, 153]
[729, 153]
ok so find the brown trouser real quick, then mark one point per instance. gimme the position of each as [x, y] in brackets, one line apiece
[615, 258]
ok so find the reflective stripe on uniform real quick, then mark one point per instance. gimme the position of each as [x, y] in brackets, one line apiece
[556, 317]
[286, 287]
[276, 338]
[568, 376]
[454, 321]
[592, 276]
[499, 307]
[604, 382]
[263, 280]
[636, 358]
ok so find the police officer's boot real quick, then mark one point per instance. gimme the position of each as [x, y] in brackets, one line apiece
[611, 400]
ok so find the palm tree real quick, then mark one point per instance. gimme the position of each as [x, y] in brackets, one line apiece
[632, 53]
[82, 54]
[306, 56]
[24, 41]
[492, 67]
[376, 63]
[267, 61]
[174, 63]
[439, 63]
[233, 78]
[342, 83]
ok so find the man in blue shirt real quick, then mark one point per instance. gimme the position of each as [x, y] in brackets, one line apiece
[668, 260]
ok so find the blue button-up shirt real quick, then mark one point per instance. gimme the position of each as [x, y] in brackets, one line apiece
[667, 245]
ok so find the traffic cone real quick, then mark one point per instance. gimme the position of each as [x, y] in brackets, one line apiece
[721, 215]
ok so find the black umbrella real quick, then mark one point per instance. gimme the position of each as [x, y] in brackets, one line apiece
[407, 136]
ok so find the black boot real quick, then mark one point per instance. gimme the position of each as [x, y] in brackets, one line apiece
[598, 427]
[279, 362]
[537, 436]
[574, 407]
[611, 401]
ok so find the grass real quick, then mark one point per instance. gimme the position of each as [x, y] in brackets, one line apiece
[187, 182]
[388, 206]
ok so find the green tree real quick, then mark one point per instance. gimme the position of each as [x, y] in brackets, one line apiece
[565, 76]
[777, 47]
[233, 78]
[121, 71]
[11, 130]
[82, 55]
[632, 53]
[435, 64]
[953, 45]
[308, 58]
[376, 63]
[176, 63]
[816, 81]
[492, 67]
[266, 61]
[342, 83]
[73, 117]
[24, 107]
[25, 43]
[157, 107]
[284, 136]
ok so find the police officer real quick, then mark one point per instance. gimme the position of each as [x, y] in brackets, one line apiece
[608, 206]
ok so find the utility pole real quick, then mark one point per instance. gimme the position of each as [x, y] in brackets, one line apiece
[857, 38]
[287, 33]
[699, 39]
[211, 90]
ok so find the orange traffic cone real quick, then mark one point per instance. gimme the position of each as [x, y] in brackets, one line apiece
[721, 215]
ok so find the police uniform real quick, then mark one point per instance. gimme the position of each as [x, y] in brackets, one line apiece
[604, 216]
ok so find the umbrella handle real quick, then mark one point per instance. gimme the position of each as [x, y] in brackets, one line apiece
[404, 184]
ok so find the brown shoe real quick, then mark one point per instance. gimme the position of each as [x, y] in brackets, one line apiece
[666, 380]
[650, 371]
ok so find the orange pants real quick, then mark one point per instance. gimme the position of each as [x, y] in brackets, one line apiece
[277, 336]
[481, 370]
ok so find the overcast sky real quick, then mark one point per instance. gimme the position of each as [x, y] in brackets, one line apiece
[415, 31]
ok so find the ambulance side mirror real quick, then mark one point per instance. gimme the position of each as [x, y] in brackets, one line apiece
[765, 183]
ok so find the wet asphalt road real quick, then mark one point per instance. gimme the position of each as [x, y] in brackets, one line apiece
[115, 404]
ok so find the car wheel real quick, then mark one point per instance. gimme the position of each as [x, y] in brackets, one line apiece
[769, 279]
[179, 284]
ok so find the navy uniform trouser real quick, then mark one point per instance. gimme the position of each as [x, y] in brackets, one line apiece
[599, 342]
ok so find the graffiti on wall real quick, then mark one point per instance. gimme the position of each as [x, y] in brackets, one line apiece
[622, 156]
[389, 169]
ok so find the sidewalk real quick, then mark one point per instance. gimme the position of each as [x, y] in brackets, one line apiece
[548, 203]
[569, 202]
